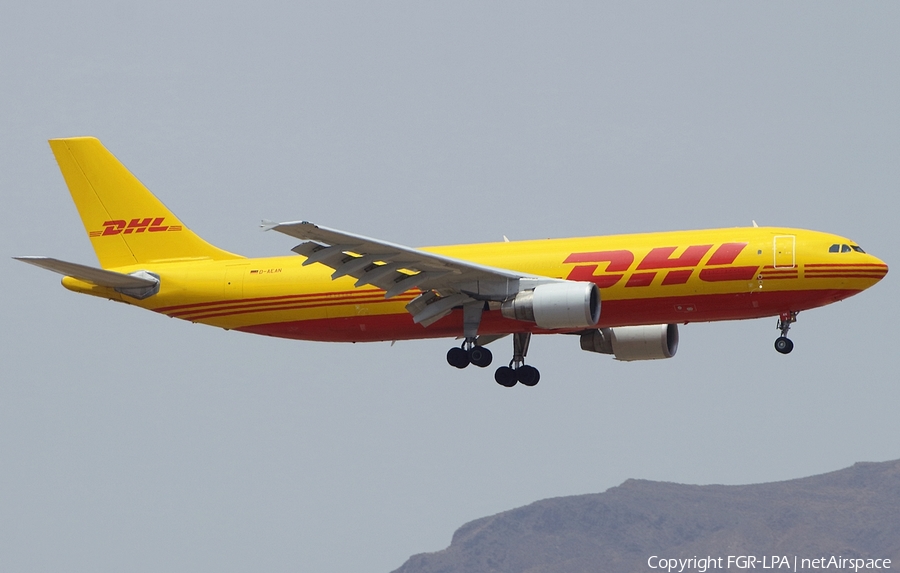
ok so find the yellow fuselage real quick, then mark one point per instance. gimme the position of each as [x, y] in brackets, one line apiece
[652, 278]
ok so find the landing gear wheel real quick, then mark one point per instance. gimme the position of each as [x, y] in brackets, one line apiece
[458, 357]
[480, 356]
[784, 345]
[505, 376]
[528, 375]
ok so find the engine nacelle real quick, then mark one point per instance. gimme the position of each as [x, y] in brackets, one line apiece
[633, 342]
[567, 304]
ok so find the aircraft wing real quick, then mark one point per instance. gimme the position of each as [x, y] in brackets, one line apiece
[446, 282]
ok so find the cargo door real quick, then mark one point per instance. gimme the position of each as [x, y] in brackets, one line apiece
[784, 251]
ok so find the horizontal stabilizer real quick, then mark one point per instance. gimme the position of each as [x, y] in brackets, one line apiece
[88, 274]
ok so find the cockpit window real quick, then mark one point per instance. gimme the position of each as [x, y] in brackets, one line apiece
[845, 249]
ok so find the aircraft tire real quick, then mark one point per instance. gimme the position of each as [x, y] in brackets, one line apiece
[505, 376]
[528, 375]
[480, 356]
[784, 345]
[457, 357]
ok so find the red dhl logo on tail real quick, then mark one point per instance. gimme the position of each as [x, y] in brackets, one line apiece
[677, 269]
[147, 224]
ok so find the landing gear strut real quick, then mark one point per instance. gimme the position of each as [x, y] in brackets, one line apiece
[518, 371]
[783, 344]
[469, 353]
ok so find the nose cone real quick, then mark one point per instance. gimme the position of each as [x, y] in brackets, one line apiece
[870, 268]
[880, 268]
[843, 266]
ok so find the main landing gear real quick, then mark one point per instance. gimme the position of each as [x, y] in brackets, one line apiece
[469, 353]
[518, 371]
[783, 344]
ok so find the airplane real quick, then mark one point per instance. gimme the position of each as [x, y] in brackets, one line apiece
[345, 287]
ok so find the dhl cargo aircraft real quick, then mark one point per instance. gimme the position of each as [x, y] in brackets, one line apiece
[350, 288]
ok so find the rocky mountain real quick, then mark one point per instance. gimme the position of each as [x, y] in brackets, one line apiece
[850, 513]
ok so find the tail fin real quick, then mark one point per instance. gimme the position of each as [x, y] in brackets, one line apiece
[127, 225]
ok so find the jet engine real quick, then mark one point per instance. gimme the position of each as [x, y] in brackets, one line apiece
[567, 304]
[633, 342]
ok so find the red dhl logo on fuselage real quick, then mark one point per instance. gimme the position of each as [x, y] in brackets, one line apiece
[147, 224]
[676, 270]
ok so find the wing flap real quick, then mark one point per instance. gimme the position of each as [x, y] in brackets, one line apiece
[389, 266]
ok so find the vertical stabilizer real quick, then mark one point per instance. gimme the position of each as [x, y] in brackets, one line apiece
[127, 225]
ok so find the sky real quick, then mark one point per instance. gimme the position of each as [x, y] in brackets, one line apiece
[129, 441]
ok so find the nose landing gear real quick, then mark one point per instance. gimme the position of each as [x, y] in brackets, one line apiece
[783, 344]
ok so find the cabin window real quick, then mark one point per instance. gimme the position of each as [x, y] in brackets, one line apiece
[845, 248]
[834, 249]
[857, 248]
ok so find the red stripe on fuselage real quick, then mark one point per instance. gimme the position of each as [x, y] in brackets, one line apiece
[276, 307]
[844, 276]
[847, 265]
[283, 303]
[664, 310]
[346, 293]
[728, 274]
